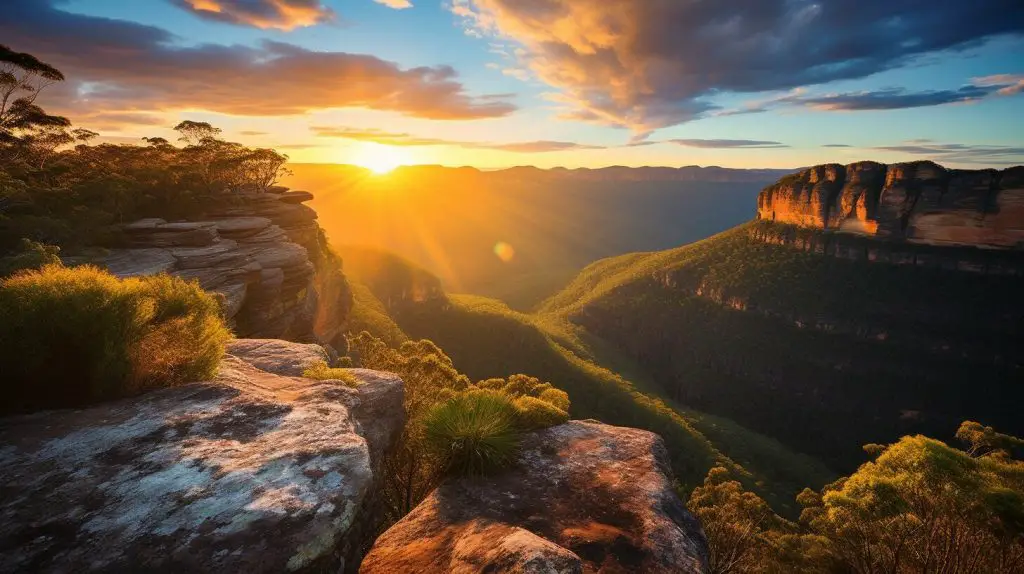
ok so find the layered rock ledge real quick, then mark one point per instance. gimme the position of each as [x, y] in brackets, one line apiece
[918, 203]
[259, 251]
[583, 497]
[251, 472]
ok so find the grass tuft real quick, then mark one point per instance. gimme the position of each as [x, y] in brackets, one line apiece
[322, 372]
[474, 433]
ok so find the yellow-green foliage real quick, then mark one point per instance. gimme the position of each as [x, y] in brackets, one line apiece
[474, 433]
[321, 371]
[923, 503]
[538, 405]
[73, 336]
[533, 413]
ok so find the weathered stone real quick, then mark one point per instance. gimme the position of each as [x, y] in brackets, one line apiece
[148, 233]
[591, 497]
[233, 298]
[296, 196]
[224, 253]
[277, 254]
[238, 227]
[137, 262]
[252, 472]
[276, 356]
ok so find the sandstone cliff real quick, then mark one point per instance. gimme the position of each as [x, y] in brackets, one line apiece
[262, 252]
[919, 202]
[255, 471]
[584, 497]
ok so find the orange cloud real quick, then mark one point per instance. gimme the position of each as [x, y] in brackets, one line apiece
[121, 65]
[276, 14]
[396, 4]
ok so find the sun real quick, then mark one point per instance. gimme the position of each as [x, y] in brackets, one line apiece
[380, 158]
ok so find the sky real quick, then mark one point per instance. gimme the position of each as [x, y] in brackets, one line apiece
[574, 83]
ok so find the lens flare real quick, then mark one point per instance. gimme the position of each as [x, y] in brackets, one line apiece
[504, 251]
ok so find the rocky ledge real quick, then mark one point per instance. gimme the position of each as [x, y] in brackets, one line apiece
[919, 203]
[258, 470]
[260, 252]
[584, 497]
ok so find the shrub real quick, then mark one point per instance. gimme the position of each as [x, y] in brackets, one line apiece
[474, 433]
[74, 336]
[533, 413]
[30, 255]
[321, 372]
[556, 397]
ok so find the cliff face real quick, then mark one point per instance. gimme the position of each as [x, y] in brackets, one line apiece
[919, 202]
[256, 471]
[583, 497]
[263, 253]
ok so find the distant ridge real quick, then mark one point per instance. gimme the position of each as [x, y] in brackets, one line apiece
[611, 173]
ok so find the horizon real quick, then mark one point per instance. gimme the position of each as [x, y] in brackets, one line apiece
[495, 84]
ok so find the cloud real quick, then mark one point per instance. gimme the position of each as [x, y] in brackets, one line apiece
[728, 144]
[890, 98]
[837, 145]
[396, 4]
[265, 14]
[645, 65]
[961, 153]
[118, 65]
[252, 133]
[405, 139]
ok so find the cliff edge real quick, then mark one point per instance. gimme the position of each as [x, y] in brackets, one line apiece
[919, 202]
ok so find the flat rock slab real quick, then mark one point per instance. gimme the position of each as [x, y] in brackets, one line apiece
[583, 497]
[296, 196]
[251, 472]
[137, 262]
[277, 356]
[235, 227]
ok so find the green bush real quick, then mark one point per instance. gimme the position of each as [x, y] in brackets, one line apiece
[534, 414]
[321, 372]
[474, 433]
[74, 336]
[30, 255]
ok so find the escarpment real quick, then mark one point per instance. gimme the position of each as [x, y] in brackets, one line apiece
[918, 203]
[258, 470]
[263, 253]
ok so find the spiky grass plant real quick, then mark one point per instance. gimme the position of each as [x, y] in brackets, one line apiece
[474, 433]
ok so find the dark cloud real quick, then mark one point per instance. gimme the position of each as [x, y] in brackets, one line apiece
[404, 139]
[960, 153]
[278, 14]
[119, 65]
[891, 98]
[728, 144]
[836, 145]
[645, 65]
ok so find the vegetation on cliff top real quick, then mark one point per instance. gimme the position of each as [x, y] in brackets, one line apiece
[75, 336]
[58, 188]
[919, 506]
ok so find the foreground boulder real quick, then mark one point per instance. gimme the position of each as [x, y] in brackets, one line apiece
[250, 472]
[584, 497]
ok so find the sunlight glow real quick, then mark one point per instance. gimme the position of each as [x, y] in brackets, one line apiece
[381, 159]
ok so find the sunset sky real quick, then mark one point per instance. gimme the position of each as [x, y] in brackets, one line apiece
[493, 83]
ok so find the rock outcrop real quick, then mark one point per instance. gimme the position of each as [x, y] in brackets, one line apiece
[250, 472]
[262, 252]
[583, 497]
[918, 203]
